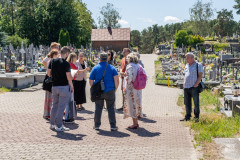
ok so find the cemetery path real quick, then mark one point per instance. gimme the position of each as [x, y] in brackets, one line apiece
[24, 134]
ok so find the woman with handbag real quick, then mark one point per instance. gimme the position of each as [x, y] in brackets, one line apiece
[79, 69]
[48, 86]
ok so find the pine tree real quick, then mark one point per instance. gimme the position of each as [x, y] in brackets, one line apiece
[64, 38]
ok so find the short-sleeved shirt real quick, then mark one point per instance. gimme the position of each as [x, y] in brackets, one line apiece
[59, 67]
[97, 73]
[123, 64]
[47, 60]
[191, 74]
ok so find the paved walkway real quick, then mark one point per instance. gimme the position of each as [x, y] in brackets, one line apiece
[24, 134]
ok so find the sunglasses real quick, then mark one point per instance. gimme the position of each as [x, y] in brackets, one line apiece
[109, 54]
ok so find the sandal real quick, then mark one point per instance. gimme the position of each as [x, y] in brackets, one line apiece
[133, 127]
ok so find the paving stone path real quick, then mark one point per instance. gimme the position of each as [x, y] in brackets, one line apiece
[24, 134]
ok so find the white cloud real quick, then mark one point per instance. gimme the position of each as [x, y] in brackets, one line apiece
[146, 20]
[171, 19]
[123, 22]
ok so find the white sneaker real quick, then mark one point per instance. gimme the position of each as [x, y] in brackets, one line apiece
[62, 128]
[114, 129]
[52, 127]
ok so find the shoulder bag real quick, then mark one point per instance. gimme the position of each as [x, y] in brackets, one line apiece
[201, 85]
[98, 88]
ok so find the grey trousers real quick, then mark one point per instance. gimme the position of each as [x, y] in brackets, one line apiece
[109, 97]
[61, 98]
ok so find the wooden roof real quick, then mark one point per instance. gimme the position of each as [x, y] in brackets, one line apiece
[118, 34]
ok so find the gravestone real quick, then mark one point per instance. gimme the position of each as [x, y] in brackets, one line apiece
[7, 64]
[211, 74]
[214, 70]
[203, 60]
[225, 57]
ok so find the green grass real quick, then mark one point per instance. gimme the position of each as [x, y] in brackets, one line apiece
[206, 98]
[212, 123]
[165, 82]
[180, 101]
[3, 89]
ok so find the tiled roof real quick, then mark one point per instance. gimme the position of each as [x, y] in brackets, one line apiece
[118, 34]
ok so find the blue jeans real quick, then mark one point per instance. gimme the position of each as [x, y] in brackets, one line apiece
[189, 94]
[109, 97]
[61, 97]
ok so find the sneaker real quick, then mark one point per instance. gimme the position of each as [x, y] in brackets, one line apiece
[196, 120]
[68, 121]
[96, 128]
[52, 127]
[185, 119]
[120, 109]
[114, 128]
[61, 129]
[46, 117]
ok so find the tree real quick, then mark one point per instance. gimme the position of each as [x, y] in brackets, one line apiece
[135, 38]
[64, 38]
[156, 37]
[200, 15]
[3, 38]
[26, 21]
[237, 6]
[86, 23]
[147, 44]
[225, 23]
[181, 38]
[8, 15]
[110, 17]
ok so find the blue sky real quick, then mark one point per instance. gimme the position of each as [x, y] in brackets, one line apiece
[139, 14]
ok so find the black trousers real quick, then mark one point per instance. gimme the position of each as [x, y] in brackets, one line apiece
[79, 91]
[189, 94]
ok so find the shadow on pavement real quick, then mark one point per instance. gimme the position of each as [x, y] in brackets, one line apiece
[147, 120]
[69, 136]
[72, 126]
[144, 133]
[86, 112]
[81, 118]
[116, 134]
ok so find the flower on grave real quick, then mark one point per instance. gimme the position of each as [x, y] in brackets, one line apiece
[13, 58]
[21, 68]
[40, 64]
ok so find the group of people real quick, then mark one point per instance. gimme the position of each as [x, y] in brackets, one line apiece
[68, 74]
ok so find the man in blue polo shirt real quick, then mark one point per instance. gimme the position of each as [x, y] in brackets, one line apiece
[111, 82]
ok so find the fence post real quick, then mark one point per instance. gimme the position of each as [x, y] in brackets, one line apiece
[168, 82]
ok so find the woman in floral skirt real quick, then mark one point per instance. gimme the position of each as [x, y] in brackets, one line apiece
[133, 98]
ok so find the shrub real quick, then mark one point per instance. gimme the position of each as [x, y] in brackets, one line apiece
[220, 46]
[181, 37]
[16, 41]
[193, 40]
[3, 38]
[64, 38]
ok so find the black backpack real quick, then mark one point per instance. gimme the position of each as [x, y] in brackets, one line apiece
[97, 89]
